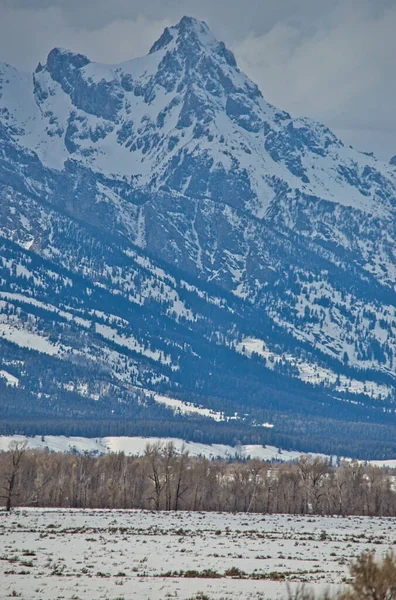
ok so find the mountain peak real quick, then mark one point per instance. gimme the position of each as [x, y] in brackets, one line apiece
[192, 25]
[195, 35]
[187, 27]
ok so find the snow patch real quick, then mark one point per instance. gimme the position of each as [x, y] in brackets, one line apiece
[11, 380]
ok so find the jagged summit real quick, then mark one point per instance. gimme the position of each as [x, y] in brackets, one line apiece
[185, 119]
[185, 54]
[188, 29]
[191, 25]
[194, 36]
[188, 36]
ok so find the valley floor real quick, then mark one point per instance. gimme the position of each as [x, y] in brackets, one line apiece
[49, 554]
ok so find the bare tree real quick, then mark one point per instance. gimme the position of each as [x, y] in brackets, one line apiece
[17, 451]
[313, 473]
[153, 456]
[181, 486]
[41, 465]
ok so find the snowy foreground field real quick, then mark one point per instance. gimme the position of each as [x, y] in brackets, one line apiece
[94, 554]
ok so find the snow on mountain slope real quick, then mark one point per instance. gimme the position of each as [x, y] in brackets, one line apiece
[10, 379]
[313, 373]
[156, 214]
[183, 110]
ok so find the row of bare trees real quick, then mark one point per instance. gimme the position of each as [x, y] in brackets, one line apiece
[163, 479]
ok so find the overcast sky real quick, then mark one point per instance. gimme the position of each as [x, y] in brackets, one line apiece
[333, 60]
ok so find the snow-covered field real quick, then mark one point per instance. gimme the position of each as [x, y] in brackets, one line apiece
[135, 446]
[93, 554]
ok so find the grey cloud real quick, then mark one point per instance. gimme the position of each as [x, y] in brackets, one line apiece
[341, 73]
[238, 17]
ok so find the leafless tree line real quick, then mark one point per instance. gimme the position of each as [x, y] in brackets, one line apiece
[163, 479]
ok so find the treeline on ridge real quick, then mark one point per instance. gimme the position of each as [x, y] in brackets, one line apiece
[364, 441]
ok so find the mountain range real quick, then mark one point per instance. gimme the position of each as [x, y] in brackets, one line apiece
[178, 256]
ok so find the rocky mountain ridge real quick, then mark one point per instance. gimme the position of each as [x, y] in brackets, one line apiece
[185, 235]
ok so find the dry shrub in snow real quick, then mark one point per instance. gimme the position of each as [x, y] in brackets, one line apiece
[370, 580]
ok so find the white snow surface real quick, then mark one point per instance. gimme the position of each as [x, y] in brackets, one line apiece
[135, 446]
[190, 408]
[28, 339]
[126, 553]
[10, 379]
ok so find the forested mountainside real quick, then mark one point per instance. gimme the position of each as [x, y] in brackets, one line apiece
[176, 253]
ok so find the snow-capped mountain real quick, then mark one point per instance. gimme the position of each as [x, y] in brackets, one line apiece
[165, 229]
